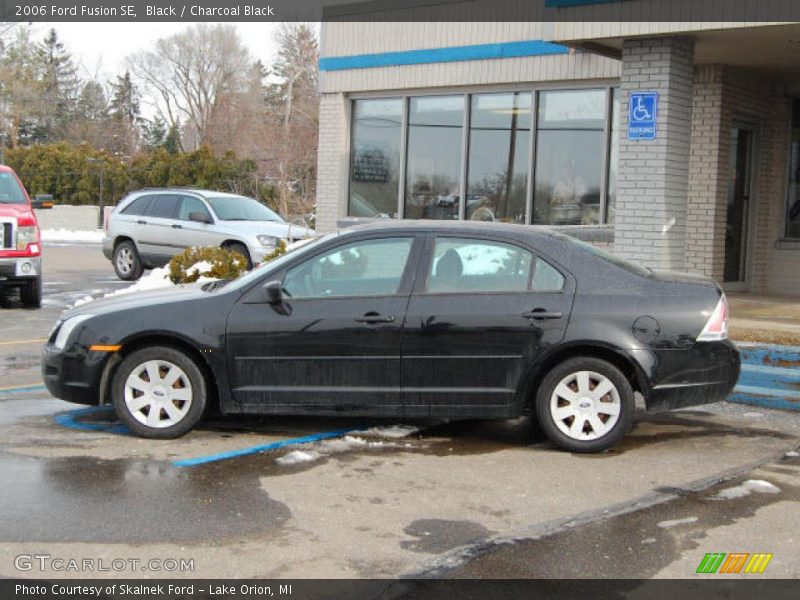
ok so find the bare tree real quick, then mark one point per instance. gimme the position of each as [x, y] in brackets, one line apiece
[190, 72]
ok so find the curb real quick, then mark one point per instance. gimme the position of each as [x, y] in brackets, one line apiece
[770, 376]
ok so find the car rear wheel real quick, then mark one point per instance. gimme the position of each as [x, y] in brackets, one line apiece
[127, 263]
[159, 392]
[585, 405]
[31, 293]
[242, 251]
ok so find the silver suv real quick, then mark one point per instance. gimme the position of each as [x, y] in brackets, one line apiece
[147, 228]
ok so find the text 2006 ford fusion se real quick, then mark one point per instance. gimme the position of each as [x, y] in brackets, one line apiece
[453, 320]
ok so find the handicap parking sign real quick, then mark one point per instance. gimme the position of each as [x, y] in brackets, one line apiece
[642, 115]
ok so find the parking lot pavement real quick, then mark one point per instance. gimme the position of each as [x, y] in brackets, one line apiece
[275, 497]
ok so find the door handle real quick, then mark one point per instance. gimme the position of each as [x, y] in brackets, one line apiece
[141, 222]
[540, 314]
[176, 226]
[371, 318]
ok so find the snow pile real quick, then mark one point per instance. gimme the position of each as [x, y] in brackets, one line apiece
[793, 454]
[746, 488]
[200, 268]
[326, 448]
[394, 432]
[69, 235]
[297, 456]
[676, 522]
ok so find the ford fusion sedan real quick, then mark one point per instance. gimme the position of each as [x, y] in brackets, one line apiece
[149, 227]
[408, 319]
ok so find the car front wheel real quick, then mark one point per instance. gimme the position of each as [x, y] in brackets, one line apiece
[159, 392]
[31, 293]
[585, 405]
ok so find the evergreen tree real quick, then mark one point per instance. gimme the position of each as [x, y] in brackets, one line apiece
[154, 133]
[60, 85]
[125, 101]
[173, 143]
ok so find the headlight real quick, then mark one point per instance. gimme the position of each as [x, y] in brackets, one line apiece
[25, 235]
[66, 330]
[267, 241]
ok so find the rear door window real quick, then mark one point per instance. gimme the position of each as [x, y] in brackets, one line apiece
[164, 206]
[463, 265]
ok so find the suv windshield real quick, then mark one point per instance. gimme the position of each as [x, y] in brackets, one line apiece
[239, 208]
[10, 190]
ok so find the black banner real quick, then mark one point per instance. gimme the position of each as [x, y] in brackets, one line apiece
[648, 11]
[714, 587]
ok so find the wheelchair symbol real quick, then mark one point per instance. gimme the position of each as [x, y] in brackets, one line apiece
[640, 112]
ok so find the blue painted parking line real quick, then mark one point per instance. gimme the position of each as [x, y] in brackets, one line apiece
[22, 388]
[201, 460]
[69, 419]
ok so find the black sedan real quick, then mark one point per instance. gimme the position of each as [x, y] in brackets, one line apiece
[453, 320]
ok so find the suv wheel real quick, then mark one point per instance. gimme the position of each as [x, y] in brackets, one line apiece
[159, 392]
[242, 251]
[31, 293]
[127, 263]
[585, 405]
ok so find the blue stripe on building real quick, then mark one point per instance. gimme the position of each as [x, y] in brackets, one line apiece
[442, 55]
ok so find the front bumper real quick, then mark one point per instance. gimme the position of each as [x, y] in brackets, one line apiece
[73, 376]
[703, 374]
[108, 247]
[20, 269]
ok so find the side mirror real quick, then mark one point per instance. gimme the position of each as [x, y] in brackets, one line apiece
[273, 290]
[41, 201]
[200, 217]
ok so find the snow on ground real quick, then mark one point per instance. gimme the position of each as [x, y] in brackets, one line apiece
[199, 268]
[326, 448]
[746, 488]
[392, 432]
[676, 522]
[94, 236]
[792, 453]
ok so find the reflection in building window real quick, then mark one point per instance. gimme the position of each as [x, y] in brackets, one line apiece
[499, 140]
[375, 157]
[793, 199]
[569, 157]
[613, 157]
[433, 157]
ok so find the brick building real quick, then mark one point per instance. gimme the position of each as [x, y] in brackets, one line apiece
[531, 123]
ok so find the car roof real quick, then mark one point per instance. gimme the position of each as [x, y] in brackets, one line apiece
[191, 190]
[510, 230]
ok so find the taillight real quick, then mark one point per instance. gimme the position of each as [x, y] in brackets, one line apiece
[717, 326]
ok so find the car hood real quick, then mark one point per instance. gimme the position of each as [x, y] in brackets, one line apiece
[21, 212]
[281, 230]
[152, 298]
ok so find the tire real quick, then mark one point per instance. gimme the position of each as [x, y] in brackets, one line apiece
[582, 422]
[31, 293]
[134, 397]
[242, 251]
[127, 263]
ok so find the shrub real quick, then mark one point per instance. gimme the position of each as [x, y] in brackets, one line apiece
[280, 248]
[221, 264]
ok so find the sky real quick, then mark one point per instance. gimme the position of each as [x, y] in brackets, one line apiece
[100, 48]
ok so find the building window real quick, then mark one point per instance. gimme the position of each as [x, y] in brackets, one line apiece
[375, 157]
[613, 157]
[411, 157]
[499, 150]
[433, 158]
[569, 157]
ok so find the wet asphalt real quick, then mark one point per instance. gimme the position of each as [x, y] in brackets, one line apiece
[454, 500]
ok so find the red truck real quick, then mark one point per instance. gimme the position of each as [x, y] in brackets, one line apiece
[20, 240]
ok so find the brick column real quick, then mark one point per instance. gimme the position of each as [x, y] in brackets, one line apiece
[650, 222]
[331, 155]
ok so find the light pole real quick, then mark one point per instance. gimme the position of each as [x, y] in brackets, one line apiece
[102, 163]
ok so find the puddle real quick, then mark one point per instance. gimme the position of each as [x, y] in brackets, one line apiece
[84, 499]
[439, 535]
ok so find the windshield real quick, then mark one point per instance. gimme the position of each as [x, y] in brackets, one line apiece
[607, 256]
[239, 208]
[277, 264]
[10, 190]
